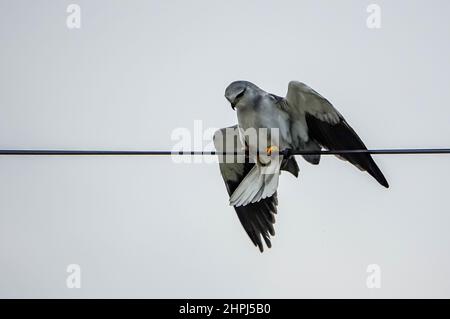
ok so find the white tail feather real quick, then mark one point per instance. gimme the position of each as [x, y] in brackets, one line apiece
[260, 183]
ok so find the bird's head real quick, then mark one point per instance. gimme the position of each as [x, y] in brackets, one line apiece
[238, 92]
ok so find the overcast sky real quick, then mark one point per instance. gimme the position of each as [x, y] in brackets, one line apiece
[147, 227]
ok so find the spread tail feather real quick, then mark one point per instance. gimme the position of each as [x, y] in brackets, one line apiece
[260, 183]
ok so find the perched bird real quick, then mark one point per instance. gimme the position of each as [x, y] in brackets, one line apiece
[303, 121]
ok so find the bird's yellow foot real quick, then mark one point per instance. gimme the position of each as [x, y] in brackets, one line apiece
[272, 149]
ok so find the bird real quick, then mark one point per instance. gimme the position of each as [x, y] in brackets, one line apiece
[303, 121]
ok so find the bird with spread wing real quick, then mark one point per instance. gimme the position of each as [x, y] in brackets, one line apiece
[304, 121]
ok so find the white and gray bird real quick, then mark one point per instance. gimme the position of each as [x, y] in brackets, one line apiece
[305, 121]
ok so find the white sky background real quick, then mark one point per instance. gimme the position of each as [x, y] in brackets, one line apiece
[145, 227]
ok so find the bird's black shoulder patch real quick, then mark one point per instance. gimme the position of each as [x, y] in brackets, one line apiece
[278, 99]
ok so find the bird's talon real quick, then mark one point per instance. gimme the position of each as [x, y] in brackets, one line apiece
[271, 149]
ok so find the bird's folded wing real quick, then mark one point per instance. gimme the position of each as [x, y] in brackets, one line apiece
[328, 127]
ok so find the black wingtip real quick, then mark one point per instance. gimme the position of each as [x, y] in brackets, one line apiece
[261, 247]
[376, 173]
[383, 183]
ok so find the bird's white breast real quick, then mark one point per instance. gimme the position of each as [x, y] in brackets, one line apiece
[266, 114]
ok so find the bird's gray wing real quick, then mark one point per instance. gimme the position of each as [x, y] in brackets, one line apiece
[256, 218]
[328, 127]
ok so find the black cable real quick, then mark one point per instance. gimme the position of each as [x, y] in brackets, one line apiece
[168, 153]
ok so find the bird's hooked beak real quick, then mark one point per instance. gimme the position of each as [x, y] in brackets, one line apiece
[233, 104]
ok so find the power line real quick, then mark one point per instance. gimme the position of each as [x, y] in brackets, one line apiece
[400, 151]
